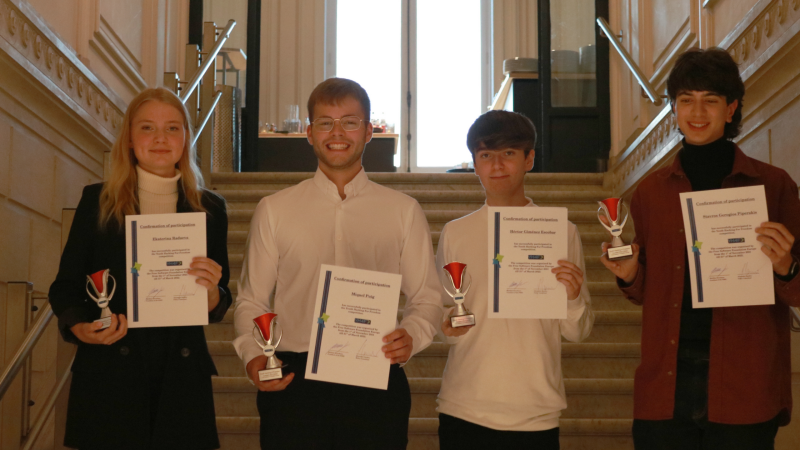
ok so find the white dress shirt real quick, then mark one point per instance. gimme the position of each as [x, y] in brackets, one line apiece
[505, 374]
[296, 230]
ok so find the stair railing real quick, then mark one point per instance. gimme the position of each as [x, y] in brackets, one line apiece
[201, 97]
[626, 58]
[25, 348]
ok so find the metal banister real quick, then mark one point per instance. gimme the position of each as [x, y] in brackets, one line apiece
[206, 116]
[626, 58]
[208, 60]
[47, 409]
[25, 348]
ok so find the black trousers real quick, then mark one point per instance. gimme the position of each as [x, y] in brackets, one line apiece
[315, 415]
[458, 434]
[689, 428]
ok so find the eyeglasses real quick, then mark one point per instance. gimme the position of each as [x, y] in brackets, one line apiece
[348, 123]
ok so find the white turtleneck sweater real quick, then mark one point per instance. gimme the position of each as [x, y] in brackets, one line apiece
[157, 195]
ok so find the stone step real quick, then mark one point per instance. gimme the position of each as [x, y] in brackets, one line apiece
[242, 433]
[457, 180]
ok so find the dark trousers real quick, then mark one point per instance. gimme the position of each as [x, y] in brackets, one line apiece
[315, 415]
[689, 428]
[458, 434]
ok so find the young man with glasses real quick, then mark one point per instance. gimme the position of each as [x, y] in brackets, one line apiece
[711, 378]
[338, 217]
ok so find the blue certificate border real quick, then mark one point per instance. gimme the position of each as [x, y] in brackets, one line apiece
[321, 324]
[496, 303]
[698, 272]
[135, 276]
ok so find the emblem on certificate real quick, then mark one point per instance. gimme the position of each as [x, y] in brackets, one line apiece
[612, 209]
[460, 317]
[266, 324]
[99, 283]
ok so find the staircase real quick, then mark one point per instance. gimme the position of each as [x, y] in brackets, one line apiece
[598, 372]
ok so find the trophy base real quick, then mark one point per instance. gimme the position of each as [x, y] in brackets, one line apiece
[620, 253]
[106, 321]
[462, 321]
[270, 374]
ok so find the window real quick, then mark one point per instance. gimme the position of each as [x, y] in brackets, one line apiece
[433, 53]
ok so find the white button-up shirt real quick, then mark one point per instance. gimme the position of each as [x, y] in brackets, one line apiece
[296, 230]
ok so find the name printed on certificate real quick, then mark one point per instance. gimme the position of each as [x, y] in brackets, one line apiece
[726, 264]
[524, 244]
[356, 309]
[159, 250]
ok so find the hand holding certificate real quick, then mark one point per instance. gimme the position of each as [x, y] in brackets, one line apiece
[357, 308]
[159, 251]
[525, 245]
[726, 263]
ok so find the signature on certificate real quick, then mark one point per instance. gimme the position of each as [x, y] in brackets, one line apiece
[746, 270]
[186, 291]
[719, 271]
[154, 294]
[339, 348]
[543, 288]
[516, 285]
[363, 353]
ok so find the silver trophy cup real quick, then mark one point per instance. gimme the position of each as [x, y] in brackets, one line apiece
[456, 272]
[266, 325]
[612, 209]
[99, 283]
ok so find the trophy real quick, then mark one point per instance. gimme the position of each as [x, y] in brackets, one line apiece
[461, 317]
[612, 207]
[266, 325]
[99, 283]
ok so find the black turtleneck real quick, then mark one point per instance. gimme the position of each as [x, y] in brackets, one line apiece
[705, 167]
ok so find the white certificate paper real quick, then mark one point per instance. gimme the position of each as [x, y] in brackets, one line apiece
[159, 250]
[524, 244]
[356, 309]
[726, 264]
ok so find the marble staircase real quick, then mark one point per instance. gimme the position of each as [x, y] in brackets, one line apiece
[598, 372]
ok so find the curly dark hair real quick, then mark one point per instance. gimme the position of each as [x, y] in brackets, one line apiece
[712, 70]
[495, 130]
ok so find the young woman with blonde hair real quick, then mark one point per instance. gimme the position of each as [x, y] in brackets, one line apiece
[144, 387]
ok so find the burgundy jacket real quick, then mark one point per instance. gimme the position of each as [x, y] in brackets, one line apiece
[750, 366]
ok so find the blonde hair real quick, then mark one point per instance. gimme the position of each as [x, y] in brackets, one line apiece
[119, 195]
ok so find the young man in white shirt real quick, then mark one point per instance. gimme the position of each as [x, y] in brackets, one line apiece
[502, 387]
[338, 217]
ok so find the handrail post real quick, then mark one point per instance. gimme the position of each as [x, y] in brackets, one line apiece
[205, 141]
[171, 81]
[12, 308]
[192, 65]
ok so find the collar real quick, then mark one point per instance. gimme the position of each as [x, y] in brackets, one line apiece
[351, 189]
[741, 165]
[155, 184]
[530, 203]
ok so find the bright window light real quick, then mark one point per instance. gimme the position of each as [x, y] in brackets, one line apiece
[448, 79]
[368, 46]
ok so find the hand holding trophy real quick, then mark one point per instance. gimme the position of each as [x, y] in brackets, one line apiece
[99, 283]
[266, 324]
[612, 209]
[460, 317]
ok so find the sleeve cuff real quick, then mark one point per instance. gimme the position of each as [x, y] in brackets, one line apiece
[68, 319]
[218, 313]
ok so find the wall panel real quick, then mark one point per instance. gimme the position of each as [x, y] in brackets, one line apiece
[726, 14]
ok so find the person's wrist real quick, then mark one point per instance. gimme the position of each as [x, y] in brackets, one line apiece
[790, 273]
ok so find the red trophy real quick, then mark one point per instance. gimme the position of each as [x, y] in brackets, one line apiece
[460, 317]
[99, 283]
[266, 324]
[612, 208]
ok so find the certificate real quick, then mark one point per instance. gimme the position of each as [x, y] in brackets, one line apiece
[726, 264]
[524, 244]
[357, 308]
[159, 250]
